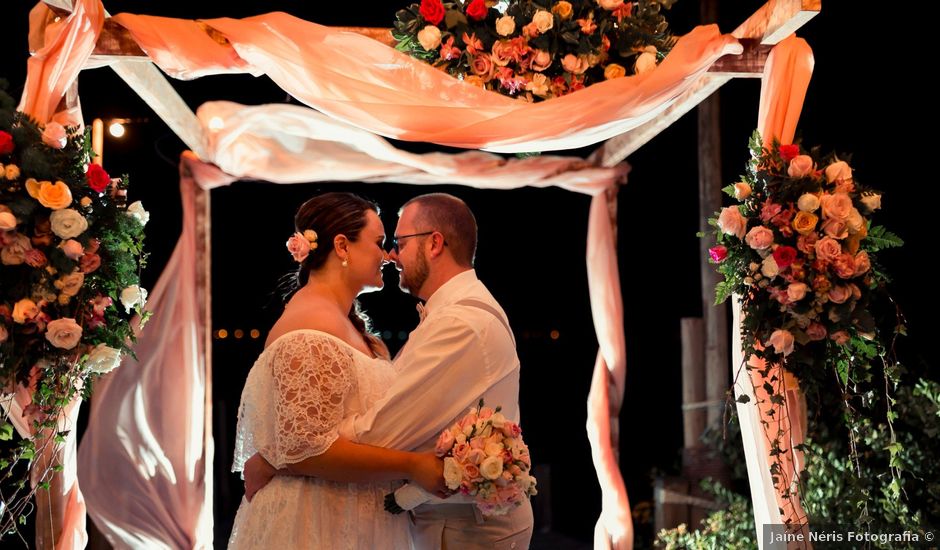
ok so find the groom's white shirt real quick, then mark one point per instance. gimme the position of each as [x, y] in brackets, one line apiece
[457, 355]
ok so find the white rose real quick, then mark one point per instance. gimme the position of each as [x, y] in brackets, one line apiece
[103, 359]
[872, 202]
[769, 267]
[484, 429]
[543, 20]
[7, 221]
[460, 438]
[505, 25]
[133, 296]
[498, 420]
[493, 449]
[453, 473]
[63, 333]
[492, 467]
[14, 253]
[429, 37]
[68, 223]
[742, 190]
[808, 202]
[136, 211]
[839, 171]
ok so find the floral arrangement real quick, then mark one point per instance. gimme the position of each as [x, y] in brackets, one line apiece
[71, 251]
[484, 458]
[799, 251]
[536, 49]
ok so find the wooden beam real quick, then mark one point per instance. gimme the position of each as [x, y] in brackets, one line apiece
[150, 84]
[615, 149]
[750, 64]
[778, 19]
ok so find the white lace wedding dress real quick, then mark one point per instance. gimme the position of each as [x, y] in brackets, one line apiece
[296, 394]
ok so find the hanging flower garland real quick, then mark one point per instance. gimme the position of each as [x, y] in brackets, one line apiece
[71, 251]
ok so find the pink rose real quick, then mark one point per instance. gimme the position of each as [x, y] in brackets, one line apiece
[844, 265]
[839, 294]
[782, 342]
[482, 66]
[718, 253]
[24, 310]
[837, 229]
[816, 331]
[807, 243]
[511, 429]
[502, 52]
[54, 136]
[838, 172]
[299, 247]
[837, 205]
[101, 303]
[862, 263]
[841, 337]
[477, 443]
[731, 222]
[742, 190]
[72, 248]
[444, 443]
[475, 456]
[461, 452]
[760, 238]
[801, 166]
[485, 413]
[828, 249]
[796, 291]
[63, 333]
[588, 26]
[471, 471]
[609, 4]
[856, 292]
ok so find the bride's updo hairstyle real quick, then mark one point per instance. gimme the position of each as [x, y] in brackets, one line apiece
[329, 215]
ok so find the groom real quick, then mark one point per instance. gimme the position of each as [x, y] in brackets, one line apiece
[462, 351]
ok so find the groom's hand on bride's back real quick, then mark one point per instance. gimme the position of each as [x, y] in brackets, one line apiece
[258, 472]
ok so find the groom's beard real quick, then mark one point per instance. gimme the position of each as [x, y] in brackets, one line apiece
[411, 280]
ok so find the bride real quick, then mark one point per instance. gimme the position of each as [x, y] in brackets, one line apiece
[320, 365]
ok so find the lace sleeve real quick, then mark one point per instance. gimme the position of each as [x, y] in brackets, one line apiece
[312, 377]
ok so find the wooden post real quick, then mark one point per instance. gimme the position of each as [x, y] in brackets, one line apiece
[693, 380]
[709, 185]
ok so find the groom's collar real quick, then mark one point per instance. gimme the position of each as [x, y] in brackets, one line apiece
[452, 290]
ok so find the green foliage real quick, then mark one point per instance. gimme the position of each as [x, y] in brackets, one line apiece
[730, 527]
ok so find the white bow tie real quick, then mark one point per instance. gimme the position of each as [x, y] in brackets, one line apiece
[422, 311]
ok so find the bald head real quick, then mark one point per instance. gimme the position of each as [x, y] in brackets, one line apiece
[450, 216]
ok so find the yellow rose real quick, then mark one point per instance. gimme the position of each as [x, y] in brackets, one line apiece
[505, 25]
[562, 10]
[543, 20]
[805, 222]
[54, 195]
[613, 71]
[474, 80]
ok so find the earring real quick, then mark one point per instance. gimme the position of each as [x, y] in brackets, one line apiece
[345, 262]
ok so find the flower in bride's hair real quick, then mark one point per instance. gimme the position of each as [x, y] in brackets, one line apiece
[311, 237]
[298, 247]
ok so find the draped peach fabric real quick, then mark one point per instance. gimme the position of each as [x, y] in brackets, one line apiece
[371, 86]
[144, 457]
[783, 89]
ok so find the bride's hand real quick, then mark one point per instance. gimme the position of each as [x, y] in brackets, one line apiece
[258, 472]
[428, 473]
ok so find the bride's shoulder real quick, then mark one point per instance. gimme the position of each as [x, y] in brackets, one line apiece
[301, 325]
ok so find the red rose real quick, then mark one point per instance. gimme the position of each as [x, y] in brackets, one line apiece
[789, 152]
[6, 143]
[477, 10]
[718, 253]
[97, 178]
[784, 256]
[432, 11]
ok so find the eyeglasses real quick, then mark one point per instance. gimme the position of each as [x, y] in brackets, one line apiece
[396, 240]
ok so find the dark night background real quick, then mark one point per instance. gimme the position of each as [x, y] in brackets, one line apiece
[866, 97]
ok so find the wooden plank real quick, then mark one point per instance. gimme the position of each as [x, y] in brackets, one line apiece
[778, 19]
[614, 150]
[150, 84]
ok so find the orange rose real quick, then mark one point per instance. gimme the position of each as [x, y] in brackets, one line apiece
[54, 195]
[613, 71]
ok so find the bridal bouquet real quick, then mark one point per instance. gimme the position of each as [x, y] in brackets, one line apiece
[536, 49]
[484, 458]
